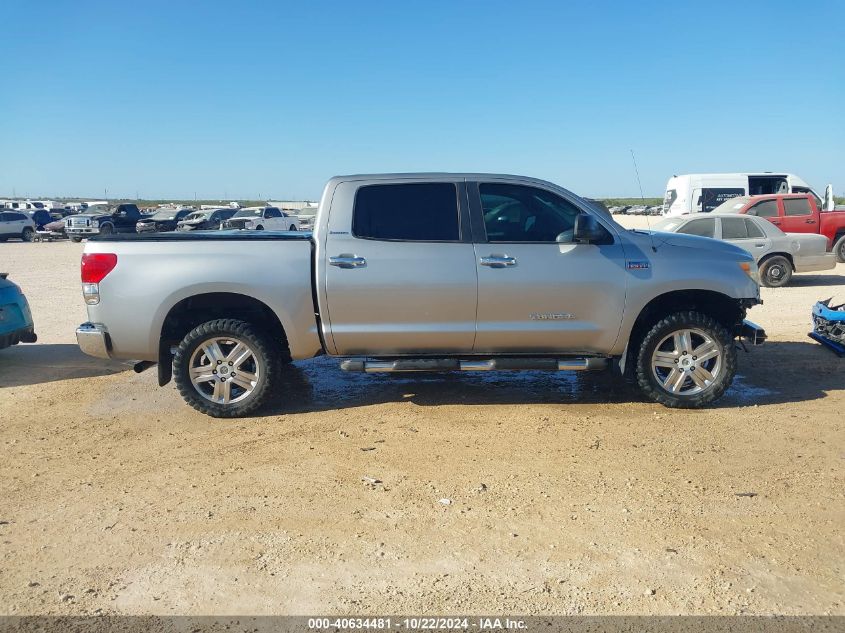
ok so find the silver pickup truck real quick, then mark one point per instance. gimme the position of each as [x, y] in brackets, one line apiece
[423, 272]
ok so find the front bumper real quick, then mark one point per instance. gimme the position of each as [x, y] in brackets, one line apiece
[752, 333]
[82, 230]
[93, 339]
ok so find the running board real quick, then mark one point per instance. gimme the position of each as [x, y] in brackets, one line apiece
[454, 364]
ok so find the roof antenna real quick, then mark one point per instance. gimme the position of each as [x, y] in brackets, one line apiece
[642, 197]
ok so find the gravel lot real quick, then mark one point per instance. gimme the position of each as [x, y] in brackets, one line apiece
[568, 493]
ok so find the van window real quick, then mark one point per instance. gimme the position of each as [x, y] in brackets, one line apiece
[796, 206]
[767, 185]
[669, 199]
[713, 197]
[424, 212]
[765, 209]
[734, 229]
[705, 227]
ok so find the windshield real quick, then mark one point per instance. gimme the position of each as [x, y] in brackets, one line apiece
[732, 205]
[165, 214]
[668, 225]
[248, 213]
[196, 216]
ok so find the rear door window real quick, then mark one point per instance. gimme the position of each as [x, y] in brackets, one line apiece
[705, 227]
[414, 212]
[765, 209]
[796, 206]
[734, 229]
[754, 231]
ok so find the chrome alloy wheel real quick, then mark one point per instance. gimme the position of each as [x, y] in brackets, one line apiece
[686, 362]
[224, 370]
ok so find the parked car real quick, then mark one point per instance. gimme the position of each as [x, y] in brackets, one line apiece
[205, 220]
[694, 193]
[56, 228]
[16, 224]
[777, 254]
[794, 213]
[118, 219]
[162, 220]
[424, 272]
[262, 218]
[15, 317]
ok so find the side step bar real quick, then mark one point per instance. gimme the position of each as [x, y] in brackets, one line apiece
[454, 364]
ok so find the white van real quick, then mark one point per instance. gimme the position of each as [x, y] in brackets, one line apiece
[697, 193]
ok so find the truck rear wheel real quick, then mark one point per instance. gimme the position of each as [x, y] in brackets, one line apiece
[226, 368]
[75, 239]
[687, 361]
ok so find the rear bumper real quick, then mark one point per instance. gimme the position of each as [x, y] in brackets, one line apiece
[752, 333]
[826, 261]
[93, 339]
[22, 335]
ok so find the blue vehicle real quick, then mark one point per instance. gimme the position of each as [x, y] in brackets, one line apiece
[15, 318]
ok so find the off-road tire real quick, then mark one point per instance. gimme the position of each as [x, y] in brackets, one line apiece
[27, 235]
[653, 390]
[839, 249]
[106, 229]
[775, 272]
[267, 356]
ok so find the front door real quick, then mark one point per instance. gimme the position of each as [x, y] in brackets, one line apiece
[798, 216]
[538, 290]
[403, 280]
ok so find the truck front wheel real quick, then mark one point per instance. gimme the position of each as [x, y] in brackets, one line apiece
[226, 368]
[839, 249]
[687, 361]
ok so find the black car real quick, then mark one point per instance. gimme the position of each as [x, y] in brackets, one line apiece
[118, 219]
[162, 220]
[210, 219]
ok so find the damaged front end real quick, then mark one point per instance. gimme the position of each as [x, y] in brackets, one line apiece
[829, 325]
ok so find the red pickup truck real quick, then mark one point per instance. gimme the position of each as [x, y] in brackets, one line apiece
[794, 213]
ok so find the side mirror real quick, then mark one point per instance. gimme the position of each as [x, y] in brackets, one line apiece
[588, 230]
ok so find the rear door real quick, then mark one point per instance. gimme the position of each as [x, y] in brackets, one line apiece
[743, 232]
[538, 291]
[399, 268]
[798, 216]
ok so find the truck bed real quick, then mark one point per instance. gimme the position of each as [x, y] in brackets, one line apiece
[206, 236]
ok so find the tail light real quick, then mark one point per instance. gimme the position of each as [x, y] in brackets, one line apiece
[95, 267]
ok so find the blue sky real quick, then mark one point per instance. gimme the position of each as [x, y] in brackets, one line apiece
[270, 99]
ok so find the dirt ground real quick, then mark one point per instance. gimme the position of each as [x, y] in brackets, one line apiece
[567, 494]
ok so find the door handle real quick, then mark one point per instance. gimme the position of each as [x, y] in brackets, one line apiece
[760, 245]
[809, 221]
[345, 260]
[498, 261]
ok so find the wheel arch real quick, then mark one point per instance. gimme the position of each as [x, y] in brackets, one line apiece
[726, 310]
[768, 256]
[191, 311]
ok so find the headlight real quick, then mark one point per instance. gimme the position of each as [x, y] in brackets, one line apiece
[750, 269]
